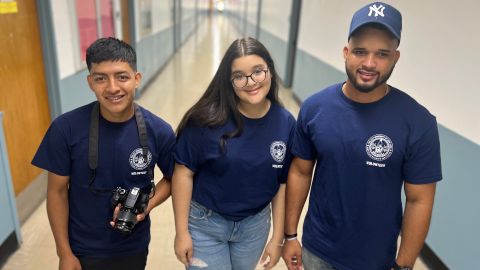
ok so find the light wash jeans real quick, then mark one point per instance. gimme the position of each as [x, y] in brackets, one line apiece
[312, 262]
[221, 244]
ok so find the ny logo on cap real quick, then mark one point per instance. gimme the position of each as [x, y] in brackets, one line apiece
[378, 10]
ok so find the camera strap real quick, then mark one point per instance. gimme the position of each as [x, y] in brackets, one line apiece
[93, 145]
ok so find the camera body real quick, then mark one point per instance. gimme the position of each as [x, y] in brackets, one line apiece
[133, 202]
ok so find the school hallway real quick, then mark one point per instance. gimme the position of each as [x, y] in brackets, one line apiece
[178, 85]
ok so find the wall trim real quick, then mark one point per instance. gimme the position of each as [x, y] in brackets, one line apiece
[31, 197]
[49, 49]
[7, 248]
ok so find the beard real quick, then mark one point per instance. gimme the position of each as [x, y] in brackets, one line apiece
[367, 88]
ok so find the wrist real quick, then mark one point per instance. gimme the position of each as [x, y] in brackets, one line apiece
[287, 235]
[64, 253]
[290, 237]
[183, 232]
[277, 238]
[277, 242]
[401, 267]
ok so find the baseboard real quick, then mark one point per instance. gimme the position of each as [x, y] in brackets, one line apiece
[7, 248]
[31, 197]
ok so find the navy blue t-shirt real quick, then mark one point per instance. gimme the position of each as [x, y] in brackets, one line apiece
[241, 182]
[64, 151]
[364, 152]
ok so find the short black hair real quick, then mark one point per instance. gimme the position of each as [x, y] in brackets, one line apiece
[111, 49]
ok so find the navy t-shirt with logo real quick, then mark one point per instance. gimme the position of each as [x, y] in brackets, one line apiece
[364, 152]
[244, 179]
[64, 151]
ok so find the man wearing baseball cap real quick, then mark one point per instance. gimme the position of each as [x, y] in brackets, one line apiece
[365, 139]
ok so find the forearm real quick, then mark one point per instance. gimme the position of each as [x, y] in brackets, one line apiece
[416, 221]
[278, 214]
[182, 186]
[162, 192]
[295, 196]
[298, 185]
[57, 211]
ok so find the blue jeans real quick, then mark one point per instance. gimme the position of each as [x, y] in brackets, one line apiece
[312, 262]
[223, 244]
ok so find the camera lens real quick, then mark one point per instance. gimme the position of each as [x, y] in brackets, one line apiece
[126, 221]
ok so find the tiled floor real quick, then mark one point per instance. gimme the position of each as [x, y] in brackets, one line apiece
[175, 89]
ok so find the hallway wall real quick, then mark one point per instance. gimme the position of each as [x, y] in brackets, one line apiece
[252, 16]
[156, 48]
[274, 30]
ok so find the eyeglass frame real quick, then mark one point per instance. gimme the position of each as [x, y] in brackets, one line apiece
[250, 76]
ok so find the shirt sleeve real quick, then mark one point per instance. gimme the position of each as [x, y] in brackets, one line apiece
[165, 154]
[53, 154]
[302, 145]
[423, 163]
[288, 155]
[188, 150]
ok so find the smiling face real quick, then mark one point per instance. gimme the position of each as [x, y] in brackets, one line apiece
[370, 58]
[114, 84]
[254, 92]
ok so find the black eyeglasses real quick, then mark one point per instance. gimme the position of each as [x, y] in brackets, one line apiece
[257, 76]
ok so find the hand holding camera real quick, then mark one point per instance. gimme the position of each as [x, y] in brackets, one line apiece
[130, 206]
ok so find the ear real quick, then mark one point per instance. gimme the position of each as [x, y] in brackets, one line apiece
[138, 79]
[345, 52]
[397, 56]
[90, 81]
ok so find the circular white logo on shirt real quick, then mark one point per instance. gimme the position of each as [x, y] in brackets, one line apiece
[137, 161]
[278, 150]
[379, 147]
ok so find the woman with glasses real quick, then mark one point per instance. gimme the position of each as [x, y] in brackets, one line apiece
[232, 159]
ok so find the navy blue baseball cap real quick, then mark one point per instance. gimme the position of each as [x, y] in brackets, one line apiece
[378, 13]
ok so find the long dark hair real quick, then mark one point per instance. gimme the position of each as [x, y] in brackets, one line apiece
[219, 103]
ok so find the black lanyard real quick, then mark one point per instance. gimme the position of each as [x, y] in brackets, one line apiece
[93, 145]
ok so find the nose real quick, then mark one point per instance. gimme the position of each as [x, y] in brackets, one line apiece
[370, 61]
[112, 85]
[250, 79]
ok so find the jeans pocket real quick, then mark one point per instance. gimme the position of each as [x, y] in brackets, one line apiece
[197, 211]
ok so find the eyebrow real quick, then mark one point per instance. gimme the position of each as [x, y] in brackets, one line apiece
[380, 50]
[254, 67]
[106, 74]
[259, 65]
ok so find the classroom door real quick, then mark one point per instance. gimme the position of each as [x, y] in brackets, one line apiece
[23, 91]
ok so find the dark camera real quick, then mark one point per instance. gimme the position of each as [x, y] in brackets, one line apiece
[133, 202]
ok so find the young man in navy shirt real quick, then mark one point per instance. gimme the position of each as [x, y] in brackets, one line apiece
[85, 164]
[367, 139]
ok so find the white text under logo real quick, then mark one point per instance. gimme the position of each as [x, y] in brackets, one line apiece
[378, 10]
[379, 147]
[137, 161]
